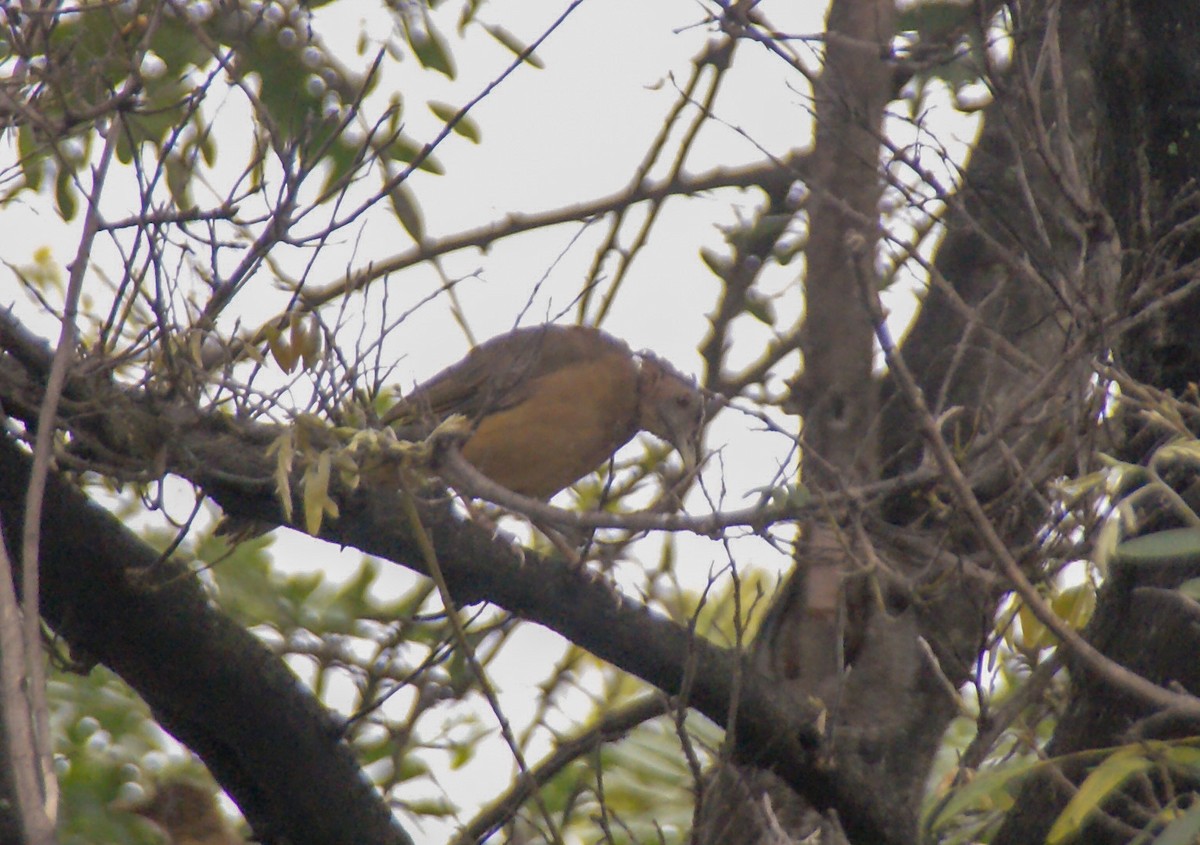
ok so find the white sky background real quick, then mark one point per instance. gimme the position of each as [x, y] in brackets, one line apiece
[570, 132]
[576, 130]
[573, 131]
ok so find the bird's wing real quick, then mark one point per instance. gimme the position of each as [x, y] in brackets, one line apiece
[504, 371]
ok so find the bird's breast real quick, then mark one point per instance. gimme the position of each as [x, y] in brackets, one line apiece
[570, 422]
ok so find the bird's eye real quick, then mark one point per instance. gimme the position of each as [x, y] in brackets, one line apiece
[683, 401]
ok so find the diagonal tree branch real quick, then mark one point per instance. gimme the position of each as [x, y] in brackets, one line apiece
[208, 680]
[174, 654]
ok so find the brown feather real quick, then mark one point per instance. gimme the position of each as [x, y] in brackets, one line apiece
[551, 403]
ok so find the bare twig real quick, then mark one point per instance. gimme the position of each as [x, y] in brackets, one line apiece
[1088, 655]
[468, 653]
[613, 727]
[17, 716]
[466, 478]
[36, 682]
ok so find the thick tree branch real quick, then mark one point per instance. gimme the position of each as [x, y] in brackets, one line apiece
[208, 681]
[228, 461]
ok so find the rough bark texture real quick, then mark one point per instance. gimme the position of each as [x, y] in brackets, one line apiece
[1002, 351]
[836, 395]
[10, 824]
[224, 458]
[1147, 61]
[211, 683]
[1081, 187]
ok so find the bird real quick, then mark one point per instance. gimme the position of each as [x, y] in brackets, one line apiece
[186, 812]
[549, 404]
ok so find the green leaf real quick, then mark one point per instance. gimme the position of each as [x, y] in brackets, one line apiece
[1191, 588]
[992, 790]
[404, 203]
[760, 307]
[1176, 545]
[514, 44]
[466, 127]
[179, 181]
[1098, 786]
[410, 766]
[430, 807]
[934, 20]
[407, 605]
[357, 590]
[64, 194]
[342, 159]
[715, 261]
[761, 235]
[175, 43]
[461, 754]
[33, 163]
[208, 150]
[430, 49]
[405, 150]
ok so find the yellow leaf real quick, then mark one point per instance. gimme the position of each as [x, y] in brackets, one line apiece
[311, 344]
[1182, 450]
[281, 351]
[1184, 756]
[316, 494]
[1101, 783]
[195, 340]
[295, 330]
[1074, 605]
[1034, 635]
[284, 449]
[247, 347]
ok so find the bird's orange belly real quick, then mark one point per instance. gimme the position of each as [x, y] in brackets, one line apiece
[569, 424]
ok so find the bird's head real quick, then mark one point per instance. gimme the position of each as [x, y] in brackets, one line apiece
[672, 406]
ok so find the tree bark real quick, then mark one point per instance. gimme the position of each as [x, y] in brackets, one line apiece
[208, 681]
[1146, 58]
[1001, 350]
[229, 462]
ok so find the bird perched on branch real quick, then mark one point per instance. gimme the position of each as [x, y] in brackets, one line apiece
[549, 404]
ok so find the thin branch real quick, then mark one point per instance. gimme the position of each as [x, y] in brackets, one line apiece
[16, 714]
[1092, 659]
[613, 727]
[466, 478]
[30, 581]
[514, 224]
[460, 636]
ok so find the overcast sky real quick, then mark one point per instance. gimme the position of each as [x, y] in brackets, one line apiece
[570, 132]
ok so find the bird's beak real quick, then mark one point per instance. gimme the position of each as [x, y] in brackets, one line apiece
[674, 408]
[689, 450]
